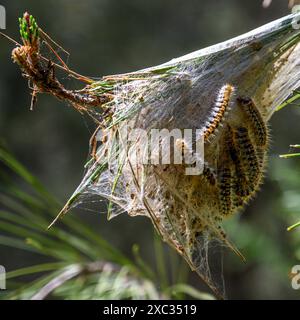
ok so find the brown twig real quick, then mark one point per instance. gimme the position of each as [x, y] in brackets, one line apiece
[42, 75]
[44, 80]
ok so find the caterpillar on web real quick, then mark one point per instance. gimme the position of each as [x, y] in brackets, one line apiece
[250, 162]
[259, 129]
[239, 183]
[218, 112]
[209, 175]
[186, 151]
[225, 187]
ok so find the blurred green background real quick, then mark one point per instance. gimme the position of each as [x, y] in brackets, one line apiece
[110, 36]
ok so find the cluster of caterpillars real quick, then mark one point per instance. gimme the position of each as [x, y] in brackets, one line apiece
[241, 160]
[237, 171]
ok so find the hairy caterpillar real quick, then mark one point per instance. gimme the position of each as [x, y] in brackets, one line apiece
[219, 110]
[260, 131]
[186, 151]
[225, 186]
[239, 183]
[250, 162]
[209, 175]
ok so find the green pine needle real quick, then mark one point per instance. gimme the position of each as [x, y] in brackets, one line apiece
[295, 225]
[289, 155]
[29, 29]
